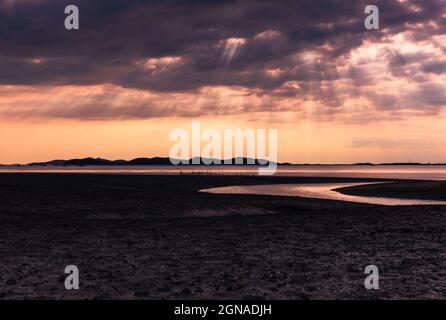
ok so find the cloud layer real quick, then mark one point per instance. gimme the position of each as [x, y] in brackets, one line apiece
[143, 59]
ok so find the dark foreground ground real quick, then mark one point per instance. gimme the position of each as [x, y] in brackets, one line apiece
[156, 237]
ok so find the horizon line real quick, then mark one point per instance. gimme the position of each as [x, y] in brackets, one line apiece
[117, 162]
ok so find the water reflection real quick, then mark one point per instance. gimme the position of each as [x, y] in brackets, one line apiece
[421, 172]
[320, 191]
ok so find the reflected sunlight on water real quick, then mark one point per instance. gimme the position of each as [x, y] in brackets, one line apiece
[319, 191]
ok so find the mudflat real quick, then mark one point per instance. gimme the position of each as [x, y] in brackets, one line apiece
[157, 237]
[427, 190]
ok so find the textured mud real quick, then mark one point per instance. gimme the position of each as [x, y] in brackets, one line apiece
[156, 237]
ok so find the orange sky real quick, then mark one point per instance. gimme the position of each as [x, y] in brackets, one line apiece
[340, 98]
[39, 123]
[299, 140]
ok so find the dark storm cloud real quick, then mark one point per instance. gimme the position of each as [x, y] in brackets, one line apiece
[118, 37]
[437, 67]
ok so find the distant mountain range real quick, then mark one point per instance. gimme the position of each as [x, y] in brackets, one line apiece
[156, 161]
[161, 161]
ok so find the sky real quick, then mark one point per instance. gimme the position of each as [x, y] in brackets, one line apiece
[135, 70]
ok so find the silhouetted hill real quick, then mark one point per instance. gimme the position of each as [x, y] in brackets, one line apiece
[88, 162]
[157, 161]
[161, 161]
[49, 163]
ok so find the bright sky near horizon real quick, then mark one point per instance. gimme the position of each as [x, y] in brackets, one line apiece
[336, 92]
